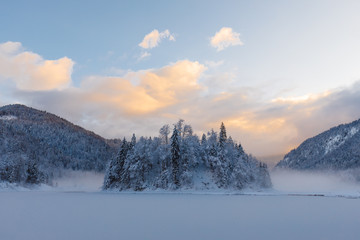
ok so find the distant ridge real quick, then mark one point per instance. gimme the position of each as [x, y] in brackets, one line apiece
[335, 149]
[34, 140]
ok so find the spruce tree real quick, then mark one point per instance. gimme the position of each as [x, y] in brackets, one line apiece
[203, 139]
[133, 141]
[116, 167]
[175, 156]
[222, 167]
[222, 136]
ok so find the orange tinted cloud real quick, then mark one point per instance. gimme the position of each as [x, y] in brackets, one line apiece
[156, 88]
[301, 99]
[152, 39]
[30, 71]
[224, 38]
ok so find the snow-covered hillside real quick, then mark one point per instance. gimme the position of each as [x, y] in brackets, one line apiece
[335, 149]
[36, 145]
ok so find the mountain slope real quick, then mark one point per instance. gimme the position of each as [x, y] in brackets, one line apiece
[335, 149]
[33, 140]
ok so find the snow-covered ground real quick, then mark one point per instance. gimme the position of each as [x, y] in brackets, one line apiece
[81, 215]
[72, 212]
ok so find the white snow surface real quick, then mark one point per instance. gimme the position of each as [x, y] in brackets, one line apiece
[8, 117]
[301, 206]
[93, 215]
[338, 140]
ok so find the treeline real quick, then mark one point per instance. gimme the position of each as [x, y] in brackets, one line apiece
[184, 161]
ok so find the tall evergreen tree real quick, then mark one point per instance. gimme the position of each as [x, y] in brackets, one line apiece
[222, 136]
[203, 139]
[116, 166]
[175, 156]
[223, 166]
[133, 141]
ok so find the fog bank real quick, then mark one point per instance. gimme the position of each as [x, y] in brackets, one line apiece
[79, 181]
[315, 182]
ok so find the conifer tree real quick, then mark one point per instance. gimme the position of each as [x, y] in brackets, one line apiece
[203, 139]
[116, 166]
[133, 141]
[223, 165]
[175, 156]
[222, 135]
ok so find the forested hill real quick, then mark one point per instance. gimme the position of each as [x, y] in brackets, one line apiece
[35, 144]
[183, 161]
[335, 149]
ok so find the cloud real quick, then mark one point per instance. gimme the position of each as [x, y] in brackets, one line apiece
[10, 47]
[300, 99]
[153, 39]
[30, 71]
[225, 38]
[156, 88]
[144, 55]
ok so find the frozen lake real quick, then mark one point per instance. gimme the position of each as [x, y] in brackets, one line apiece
[93, 215]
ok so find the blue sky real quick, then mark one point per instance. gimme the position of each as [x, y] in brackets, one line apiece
[289, 64]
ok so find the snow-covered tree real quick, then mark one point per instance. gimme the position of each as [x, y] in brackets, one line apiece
[222, 135]
[175, 156]
[115, 168]
[164, 133]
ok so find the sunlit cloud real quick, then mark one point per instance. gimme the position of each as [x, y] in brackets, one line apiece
[301, 99]
[248, 123]
[156, 88]
[224, 38]
[30, 71]
[144, 55]
[153, 38]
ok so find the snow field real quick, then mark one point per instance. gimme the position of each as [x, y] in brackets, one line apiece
[80, 215]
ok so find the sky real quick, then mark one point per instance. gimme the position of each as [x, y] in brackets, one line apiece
[275, 72]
